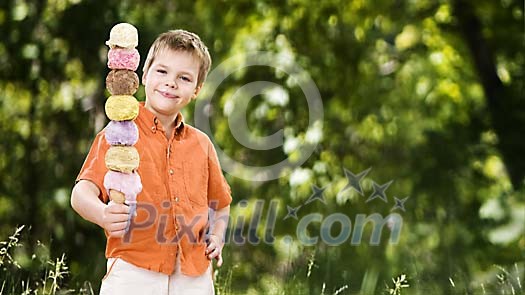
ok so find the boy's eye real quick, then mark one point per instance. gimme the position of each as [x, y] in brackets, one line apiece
[186, 79]
[161, 71]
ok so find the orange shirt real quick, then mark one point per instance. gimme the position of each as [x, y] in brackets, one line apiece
[181, 179]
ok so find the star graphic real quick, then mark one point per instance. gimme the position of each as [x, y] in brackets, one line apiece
[354, 181]
[379, 191]
[400, 204]
[316, 195]
[292, 212]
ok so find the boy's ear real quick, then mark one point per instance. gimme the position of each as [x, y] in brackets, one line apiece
[144, 78]
[196, 92]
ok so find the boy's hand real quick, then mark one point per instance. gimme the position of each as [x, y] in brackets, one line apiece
[115, 219]
[214, 249]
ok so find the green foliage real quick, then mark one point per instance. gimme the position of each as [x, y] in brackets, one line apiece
[406, 90]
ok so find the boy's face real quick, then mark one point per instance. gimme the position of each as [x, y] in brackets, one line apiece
[171, 82]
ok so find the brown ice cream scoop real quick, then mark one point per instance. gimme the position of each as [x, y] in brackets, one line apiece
[122, 82]
[123, 159]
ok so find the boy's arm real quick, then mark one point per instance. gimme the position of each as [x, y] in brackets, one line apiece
[111, 217]
[216, 238]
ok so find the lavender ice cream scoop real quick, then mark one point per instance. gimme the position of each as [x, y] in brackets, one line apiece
[122, 133]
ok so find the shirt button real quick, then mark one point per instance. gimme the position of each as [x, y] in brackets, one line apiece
[177, 227]
[171, 171]
[176, 199]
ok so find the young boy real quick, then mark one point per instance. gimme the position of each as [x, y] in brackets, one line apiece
[165, 250]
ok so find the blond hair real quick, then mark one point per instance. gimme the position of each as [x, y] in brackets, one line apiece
[181, 40]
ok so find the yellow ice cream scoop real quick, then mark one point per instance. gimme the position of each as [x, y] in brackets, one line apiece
[123, 35]
[122, 107]
[123, 159]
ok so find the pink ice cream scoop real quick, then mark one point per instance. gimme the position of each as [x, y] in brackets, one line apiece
[123, 188]
[123, 59]
[122, 133]
[128, 184]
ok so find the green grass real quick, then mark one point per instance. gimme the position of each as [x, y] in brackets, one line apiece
[38, 274]
[34, 274]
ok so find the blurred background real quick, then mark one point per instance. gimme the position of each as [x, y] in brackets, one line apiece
[429, 94]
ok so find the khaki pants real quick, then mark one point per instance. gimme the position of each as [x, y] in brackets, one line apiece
[123, 278]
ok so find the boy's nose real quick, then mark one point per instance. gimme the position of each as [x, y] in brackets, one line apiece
[172, 84]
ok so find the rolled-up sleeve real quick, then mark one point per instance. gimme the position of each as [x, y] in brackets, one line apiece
[219, 192]
[94, 167]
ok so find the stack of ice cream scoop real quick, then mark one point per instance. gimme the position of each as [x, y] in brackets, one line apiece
[122, 181]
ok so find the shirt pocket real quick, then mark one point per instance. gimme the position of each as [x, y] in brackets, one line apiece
[196, 179]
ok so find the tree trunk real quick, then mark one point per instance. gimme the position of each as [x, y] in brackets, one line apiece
[504, 104]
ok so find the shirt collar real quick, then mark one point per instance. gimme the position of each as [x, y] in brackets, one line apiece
[151, 120]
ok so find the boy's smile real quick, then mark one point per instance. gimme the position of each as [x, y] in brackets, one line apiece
[167, 94]
[171, 82]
